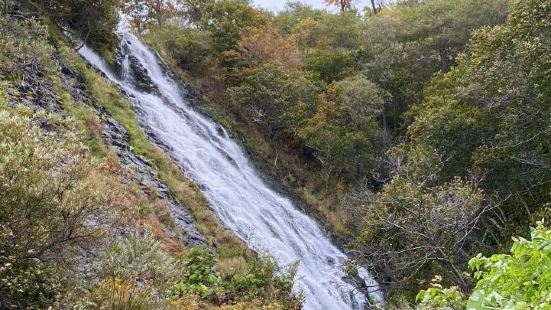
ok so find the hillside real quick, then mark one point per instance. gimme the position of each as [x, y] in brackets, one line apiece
[94, 215]
[415, 134]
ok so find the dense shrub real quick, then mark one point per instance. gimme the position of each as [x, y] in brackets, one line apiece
[190, 50]
[93, 20]
[520, 280]
[133, 273]
[24, 49]
[276, 98]
[330, 66]
[491, 113]
[262, 279]
[53, 200]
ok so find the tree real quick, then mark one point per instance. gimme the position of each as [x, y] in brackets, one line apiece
[276, 98]
[343, 133]
[94, 21]
[258, 46]
[404, 45]
[191, 50]
[414, 227]
[152, 12]
[295, 12]
[226, 19]
[330, 32]
[376, 9]
[195, 11]
[491, 112]
[343, 4]
[330, 66]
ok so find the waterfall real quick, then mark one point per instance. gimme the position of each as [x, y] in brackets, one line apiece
[266, 221]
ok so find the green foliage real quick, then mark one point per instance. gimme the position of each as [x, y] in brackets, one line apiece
[28, 284]
[447, 123]
[520, 280]
[491, 112]
[410, 228]
[262, 278]
[437, 297]
[53, 199]
[226, 19]
[405, 44]
[198, 276]
[133, 273]
[276, 98]
[136, 258]
[93, 20]
[294, 13]
[344, 131]
[191, 50]
[24, 49]
[330, 66]
[147, 13]
[259, 46]
[328, 32]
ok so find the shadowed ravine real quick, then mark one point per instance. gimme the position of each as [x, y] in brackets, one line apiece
[245, 204]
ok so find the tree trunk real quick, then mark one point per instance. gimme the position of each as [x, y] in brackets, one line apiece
[463, 287]
[375, 10]
[460, 281]
[444, 60]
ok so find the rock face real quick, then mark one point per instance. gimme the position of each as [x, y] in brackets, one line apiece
[37, 93]
[34, 92]
[116, 136]
[130, 66]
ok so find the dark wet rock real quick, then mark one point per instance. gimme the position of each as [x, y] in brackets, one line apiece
[359, 283]
[141, 76]
[34, 92]
[135, 71]
[221, 132]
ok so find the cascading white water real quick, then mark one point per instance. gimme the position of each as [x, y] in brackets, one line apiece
[265, 220]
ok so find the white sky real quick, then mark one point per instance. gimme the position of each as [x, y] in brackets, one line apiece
[276, 5]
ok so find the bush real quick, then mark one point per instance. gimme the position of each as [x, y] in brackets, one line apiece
[198, 276]
[24, 49]
[279, 100]
[28, 283]
[260, 281]
[133, 274]
[191, 50]
[93, 20]
[53, 200]
[520, 280]
[330, 66]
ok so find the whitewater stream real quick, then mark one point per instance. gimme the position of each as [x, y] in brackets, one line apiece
[266, 221]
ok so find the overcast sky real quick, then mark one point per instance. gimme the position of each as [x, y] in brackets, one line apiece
[276, 5]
